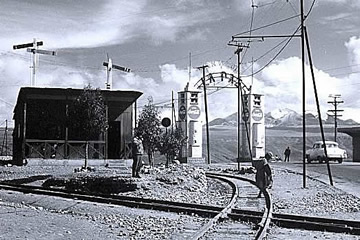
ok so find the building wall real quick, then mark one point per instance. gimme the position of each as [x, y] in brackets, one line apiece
[40, 118]
[356, 148]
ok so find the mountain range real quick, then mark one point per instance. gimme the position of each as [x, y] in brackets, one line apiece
[285, 118]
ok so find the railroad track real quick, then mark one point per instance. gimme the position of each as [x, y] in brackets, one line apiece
[215, 213]
[262, 219]
[291, 220]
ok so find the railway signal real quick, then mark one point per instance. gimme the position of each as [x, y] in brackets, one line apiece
[26, 45]
[109, 66]
[33, 48]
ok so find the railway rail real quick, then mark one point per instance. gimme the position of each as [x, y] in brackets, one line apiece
[262, 219]
[214, 212]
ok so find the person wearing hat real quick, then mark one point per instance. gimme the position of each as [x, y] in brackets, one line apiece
[137, 152]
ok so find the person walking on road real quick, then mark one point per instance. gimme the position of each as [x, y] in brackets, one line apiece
[263, 175]
[137, 152]
[287, 154]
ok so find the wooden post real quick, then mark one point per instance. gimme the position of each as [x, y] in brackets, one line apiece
[206, 114]
[106, 132]
[24, 133]
[66, 153]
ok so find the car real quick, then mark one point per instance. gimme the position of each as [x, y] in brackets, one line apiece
[334, 153]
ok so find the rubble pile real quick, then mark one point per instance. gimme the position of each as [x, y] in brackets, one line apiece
[93, 184]
[181, 183]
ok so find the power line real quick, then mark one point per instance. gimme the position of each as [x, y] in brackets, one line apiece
[280, 51]
[342, 67]
[268, 25]
[7, 103]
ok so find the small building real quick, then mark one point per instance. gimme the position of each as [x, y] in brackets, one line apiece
[42, 129]
[354, 132]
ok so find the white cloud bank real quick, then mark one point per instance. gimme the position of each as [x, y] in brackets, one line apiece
[280, 82]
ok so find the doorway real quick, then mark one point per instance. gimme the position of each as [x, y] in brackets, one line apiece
[114, 140]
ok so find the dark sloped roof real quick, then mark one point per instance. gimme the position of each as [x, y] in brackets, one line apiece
[36, 93]
[352, 131]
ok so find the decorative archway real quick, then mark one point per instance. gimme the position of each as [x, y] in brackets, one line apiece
[231, 78]
[243, 104]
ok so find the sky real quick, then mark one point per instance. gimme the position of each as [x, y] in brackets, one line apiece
[163, 43]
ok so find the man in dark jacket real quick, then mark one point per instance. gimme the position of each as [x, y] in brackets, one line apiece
[263, 175]
[287, 154]
[137, 152]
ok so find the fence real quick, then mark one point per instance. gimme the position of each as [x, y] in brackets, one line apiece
[61, 149]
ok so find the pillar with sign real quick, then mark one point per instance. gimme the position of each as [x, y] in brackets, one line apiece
[257, 125]
[190, 123]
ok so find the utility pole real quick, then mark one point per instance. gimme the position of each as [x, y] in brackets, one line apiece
[238, 51]
[334, 112]
[33, 48]
[303, 87]
[5, 141]
[109, 66]
[302, 36]
[206, 113]
[172, 112]
[318, 105]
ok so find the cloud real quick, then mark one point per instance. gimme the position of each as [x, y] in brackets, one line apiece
[161, 29]
[352, 3]
[353, 47]
[104, 23]
[281, 83]
[10, 71]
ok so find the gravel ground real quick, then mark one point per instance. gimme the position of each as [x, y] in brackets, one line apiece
[317, 199]
[38, 217]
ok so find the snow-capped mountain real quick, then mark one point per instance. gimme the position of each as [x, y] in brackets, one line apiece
[283, 118]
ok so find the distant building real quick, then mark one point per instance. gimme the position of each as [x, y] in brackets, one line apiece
[354, 132]
[41, 125]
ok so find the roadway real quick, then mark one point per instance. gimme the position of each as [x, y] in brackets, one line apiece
[346, 175]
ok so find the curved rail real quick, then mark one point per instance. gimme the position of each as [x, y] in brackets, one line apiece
[223, 213]
[263, 225]
[146, 203]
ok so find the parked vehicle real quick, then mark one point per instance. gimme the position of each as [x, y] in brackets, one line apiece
[334, 153]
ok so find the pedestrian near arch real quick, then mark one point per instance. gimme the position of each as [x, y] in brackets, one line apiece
[287, 154]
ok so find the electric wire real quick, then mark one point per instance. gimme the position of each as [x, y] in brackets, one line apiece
[288, 41]
[311, 8]
[280, 51]
[292, 6]
[268, 25]
[251, 25]
[7, 103]
[342, 67]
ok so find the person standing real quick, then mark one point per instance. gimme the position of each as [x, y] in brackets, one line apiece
[287, 154]
[137, 152]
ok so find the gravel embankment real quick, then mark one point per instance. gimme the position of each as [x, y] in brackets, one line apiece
[54, 218]
[317, 199]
